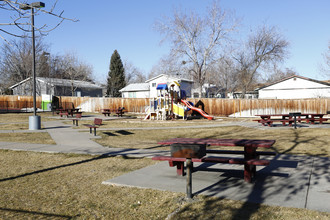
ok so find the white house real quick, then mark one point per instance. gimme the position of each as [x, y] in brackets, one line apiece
[295, 87]
[148, 89]
[185, 84]
[136, 90]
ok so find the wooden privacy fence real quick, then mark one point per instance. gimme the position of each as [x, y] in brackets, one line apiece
[252, 107]
[213, 106]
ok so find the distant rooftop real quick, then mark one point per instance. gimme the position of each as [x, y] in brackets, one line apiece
[62, 82]
[135, 87]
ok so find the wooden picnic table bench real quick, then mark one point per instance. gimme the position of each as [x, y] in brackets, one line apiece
[106, 111]
[251, 155]
[315, 118]
[97, 123]
[68, 112]
[190, 150]
[268, 119]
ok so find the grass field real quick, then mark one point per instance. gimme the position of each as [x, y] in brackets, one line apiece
[64, 186]
[300, 141]
[67, 186]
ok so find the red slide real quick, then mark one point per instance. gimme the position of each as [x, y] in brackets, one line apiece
[186, 103]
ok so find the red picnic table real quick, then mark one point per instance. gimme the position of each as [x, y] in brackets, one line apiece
[268, 119]
[106, 111]
[68, 112]
[119, 111]
[250, 160]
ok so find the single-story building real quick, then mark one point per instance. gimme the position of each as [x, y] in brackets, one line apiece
[209, 91]
[136, 90]
[295, 87]
[57, 87]
[239, 95]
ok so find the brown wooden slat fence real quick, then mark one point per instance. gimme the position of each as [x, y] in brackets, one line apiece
[213, 106]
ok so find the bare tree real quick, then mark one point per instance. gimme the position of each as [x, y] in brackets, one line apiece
[133, 74]
[277, 74]
[20, 19]
[74, 69]
[326, 67]
[225, 75]
[18, 24]
[169, 65]
[15, 60]
[265, 46]
[198, 39]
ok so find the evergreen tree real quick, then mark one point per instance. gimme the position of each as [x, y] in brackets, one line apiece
[116, 76]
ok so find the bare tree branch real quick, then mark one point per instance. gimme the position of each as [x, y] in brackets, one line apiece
[197, 38]
[264, 46]
[325, 68]
[20, 18]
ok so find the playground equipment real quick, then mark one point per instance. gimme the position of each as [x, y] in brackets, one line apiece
[200, 111]
[171, 102]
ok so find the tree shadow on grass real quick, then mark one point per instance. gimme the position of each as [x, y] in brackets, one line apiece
[288, 175]
[109, 134]
[124, 132]
[122, 153]
[54, 168]
[34, 215]
[121, 132]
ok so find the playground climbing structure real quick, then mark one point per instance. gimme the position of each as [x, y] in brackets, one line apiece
[171, 103]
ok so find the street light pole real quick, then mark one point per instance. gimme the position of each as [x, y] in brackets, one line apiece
[34, 121]
[33, 64]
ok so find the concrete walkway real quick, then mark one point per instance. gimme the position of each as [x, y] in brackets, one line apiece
[69, 140]
[291, 181]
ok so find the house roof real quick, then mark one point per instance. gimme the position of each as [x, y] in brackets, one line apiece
[135, 87]
[168, 76]
[295, 76]
[61, 82]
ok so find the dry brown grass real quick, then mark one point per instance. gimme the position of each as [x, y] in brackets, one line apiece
[15, 126]
[215, 208]
[140, 123]
[20, 121]
[64, 186]
[39, 185]
[15, 117]
[311, 141]
[32, 138]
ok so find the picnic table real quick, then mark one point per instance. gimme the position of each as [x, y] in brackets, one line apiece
[106, 111]
[250, 160]
[68, 112]
[119, 111]
[269, 119]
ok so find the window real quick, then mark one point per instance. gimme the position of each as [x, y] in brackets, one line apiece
[196, 95]
[153, 84]
[132, 95]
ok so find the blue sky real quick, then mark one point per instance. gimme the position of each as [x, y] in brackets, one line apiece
[128, 27]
